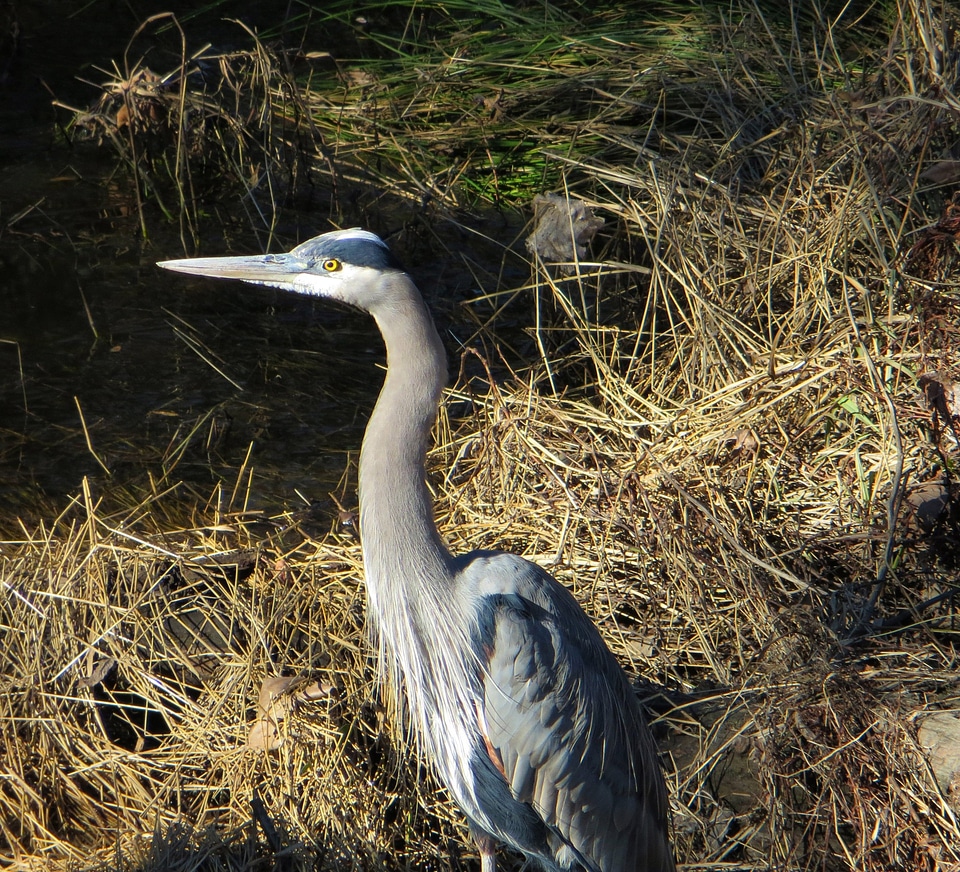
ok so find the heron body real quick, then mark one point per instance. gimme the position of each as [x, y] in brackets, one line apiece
[505, 683]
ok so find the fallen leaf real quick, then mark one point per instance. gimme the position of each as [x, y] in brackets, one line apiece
[743, 441]
[943, 398]
[942, 172]
[563, 228]
[928, 501]
[279, 696]
[101, 668]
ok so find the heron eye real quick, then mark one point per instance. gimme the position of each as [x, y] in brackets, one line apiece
[331, 264]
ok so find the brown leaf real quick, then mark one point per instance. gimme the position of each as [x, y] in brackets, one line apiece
[563, 228]
[942, 172]
[272, 707]
[743, 441]
[101, 668]
[928, 501]
[942, 394]
[280, 695]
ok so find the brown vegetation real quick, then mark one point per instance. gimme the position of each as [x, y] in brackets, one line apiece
[733, 432]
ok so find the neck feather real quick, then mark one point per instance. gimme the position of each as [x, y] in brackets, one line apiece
[404, 557]
[415, 606]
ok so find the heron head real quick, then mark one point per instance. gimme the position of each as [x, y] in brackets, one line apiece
[345, 265]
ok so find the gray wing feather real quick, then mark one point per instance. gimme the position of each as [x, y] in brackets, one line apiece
[559, 713]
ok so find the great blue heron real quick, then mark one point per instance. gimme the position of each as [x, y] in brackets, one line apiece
[510, 692]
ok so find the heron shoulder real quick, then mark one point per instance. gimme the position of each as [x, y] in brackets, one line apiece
[490, 584]
[499, 573]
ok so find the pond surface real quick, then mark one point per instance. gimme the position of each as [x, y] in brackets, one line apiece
[116, 374]
[114, 371]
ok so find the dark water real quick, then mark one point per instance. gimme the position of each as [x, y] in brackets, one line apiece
[111, 369]
[115, 372]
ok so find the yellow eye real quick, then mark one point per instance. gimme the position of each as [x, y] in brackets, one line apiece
[331, 264]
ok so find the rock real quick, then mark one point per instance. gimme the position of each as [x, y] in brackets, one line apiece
[939, 736]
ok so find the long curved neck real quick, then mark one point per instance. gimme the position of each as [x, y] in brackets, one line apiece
[404, 556]
[414, 603]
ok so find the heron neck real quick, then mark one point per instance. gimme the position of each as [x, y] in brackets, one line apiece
[401, 544]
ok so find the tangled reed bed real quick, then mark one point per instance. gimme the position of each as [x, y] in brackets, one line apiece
[733, 433]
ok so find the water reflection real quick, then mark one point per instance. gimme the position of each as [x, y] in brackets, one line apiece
[109, 370]
[117, 373]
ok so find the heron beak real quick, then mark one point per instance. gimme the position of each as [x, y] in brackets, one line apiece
[278, 270]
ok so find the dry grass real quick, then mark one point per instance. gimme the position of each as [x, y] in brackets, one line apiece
[719, 440]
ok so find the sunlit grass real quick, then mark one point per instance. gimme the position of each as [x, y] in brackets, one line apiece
[714, 432]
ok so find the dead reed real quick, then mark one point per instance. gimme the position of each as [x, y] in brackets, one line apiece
[733, 433]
